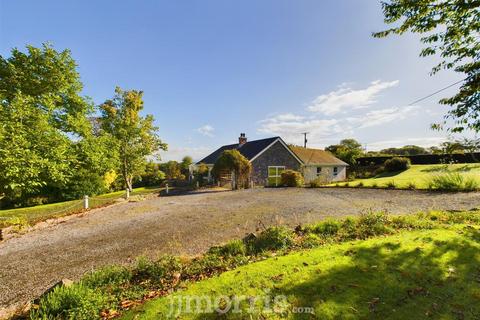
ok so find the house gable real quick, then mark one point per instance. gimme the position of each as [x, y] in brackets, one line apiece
[277, 154]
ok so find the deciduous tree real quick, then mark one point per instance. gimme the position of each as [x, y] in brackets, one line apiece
[135, 135]
[451, 29]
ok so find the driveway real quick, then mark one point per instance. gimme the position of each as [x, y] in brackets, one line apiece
[184, 224]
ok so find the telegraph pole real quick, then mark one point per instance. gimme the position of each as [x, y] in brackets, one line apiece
[304, 139]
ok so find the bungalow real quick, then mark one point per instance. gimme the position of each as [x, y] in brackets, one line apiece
[270, 157]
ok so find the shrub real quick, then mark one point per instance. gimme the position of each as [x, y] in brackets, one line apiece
[273, 238]
[291, 178]
[397, 164]
[379, 170]
[453, 181]
[319, 181]
[310, 240]
[231, 248]
[359, 185]
[110, 275]
[374, 185]
[156, 271]
[373, 224]
[327, 228]
[74, 302]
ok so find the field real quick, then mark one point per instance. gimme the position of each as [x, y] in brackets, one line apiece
[418, 176]
[32, 215]
[411, 275]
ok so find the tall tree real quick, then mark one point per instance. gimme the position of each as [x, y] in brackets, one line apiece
[347, 150]
[451, 28]
[40, 108]
[135, 135]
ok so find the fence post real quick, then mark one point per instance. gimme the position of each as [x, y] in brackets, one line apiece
[166, 188]
[85, 202]
[127, 195]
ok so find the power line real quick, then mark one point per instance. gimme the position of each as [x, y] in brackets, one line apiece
[432, 94]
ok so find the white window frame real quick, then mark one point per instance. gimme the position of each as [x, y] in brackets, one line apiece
[335, 171]
[276, 176]
[319, 173]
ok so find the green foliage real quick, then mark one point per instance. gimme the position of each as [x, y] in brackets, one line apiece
[185, 165]
[231, 248]
[152, 176]
[273, 238]
[326, 228]
[450, 29]
[453, 181]
[348, 150]
[233, 161]
[318, 182]
[173, 170]
[135, 136]
[74, 302]
[107, 276]
[408, 150]
[157, 271]
[396, 164]
[291, 178]
[390, 185]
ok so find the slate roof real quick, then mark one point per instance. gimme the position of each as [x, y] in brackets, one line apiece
[316, 156]
[249, 150]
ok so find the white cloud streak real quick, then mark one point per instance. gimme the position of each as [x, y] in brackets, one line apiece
[206, 130]
[347, 98]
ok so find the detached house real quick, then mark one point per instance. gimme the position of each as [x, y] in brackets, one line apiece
[270, 157]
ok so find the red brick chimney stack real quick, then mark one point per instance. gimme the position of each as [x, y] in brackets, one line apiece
[242, 139]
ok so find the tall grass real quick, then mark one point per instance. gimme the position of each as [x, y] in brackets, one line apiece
[453, 181]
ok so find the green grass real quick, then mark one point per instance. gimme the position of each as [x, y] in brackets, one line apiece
[418, 176]
[409, 275]
[32, 215]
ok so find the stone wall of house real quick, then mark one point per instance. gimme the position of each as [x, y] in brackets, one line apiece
[276, 155]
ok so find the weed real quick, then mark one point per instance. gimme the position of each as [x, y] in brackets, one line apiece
[391, 185]
[231, 248]
[359, 185]
[453, 181]
[273, 238]
[73, 302]
[327, 228]
[17, 223]
[411, 186]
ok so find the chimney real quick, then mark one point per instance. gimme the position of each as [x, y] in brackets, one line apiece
[242, 139]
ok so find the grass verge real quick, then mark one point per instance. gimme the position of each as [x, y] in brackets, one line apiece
[451, 177]
[375, 265]
[23, 217]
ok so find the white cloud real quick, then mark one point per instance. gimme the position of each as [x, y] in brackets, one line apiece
[347, 98]
[290, 127]
[382, 116]
[206, 130]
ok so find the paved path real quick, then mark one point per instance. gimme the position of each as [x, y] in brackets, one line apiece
[187, 224]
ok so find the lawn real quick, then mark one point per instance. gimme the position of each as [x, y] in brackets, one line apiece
[32, 215]
[410, 275]
[418, 176]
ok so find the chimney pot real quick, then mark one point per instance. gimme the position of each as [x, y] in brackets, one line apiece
[242, 139]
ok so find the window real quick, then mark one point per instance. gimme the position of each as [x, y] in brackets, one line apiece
[274, 175]
[335, 171]
[319, 171]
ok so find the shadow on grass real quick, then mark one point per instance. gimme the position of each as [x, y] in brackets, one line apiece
[386, 281]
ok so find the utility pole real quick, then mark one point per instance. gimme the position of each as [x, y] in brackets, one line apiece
[304, 139]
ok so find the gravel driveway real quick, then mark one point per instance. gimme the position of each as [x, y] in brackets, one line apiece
[185, 224]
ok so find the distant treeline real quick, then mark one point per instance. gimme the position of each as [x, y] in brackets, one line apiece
[472, 157]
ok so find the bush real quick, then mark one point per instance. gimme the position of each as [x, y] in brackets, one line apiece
[453, 181]
[310, 240]
[273, 238]
[74, 302]
[391, 185]
[373, 224]
[327, 227]
[230, 249]
[291, 178]
[110, 275]
[156, 271]
[397, 164]
[318, 182]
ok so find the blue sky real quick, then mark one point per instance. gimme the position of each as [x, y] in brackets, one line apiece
[211, 69]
